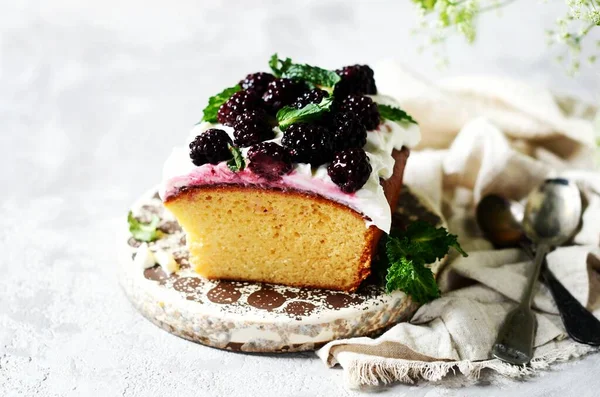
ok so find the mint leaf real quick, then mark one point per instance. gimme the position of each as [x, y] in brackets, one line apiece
[237, 163]
[274, 63]
[313, 111]
[278, 66]
[425, 243]
[143, 231]
[313, 75]
[408, 254]
[414, 279]
[394, 114]
[215, 102]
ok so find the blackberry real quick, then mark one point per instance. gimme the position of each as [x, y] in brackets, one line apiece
[308, 143]
[236, 105]
[257, 82]
[363, 108]
[269, 160]
[350, 169]
[356, 79]
[252, 127]
[210, 147]
[348, 131]
[282, 92]
[312, 96]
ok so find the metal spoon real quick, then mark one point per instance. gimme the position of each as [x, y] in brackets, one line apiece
[500, 220]
[552, 216]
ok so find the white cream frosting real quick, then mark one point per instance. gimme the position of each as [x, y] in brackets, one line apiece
[370, 200]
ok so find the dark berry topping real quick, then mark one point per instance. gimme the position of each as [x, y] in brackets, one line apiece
[363, 108]
[312, 96]
[356, 79]
[350, 169]
[257, 82]
[239, 102]
[348, 131]
[308, 143]
[252, 127]
[282, 92]
[269, 160]
[210, 147]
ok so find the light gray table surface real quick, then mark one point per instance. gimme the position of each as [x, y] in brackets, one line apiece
[92, 97]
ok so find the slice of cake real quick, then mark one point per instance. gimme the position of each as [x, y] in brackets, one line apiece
[291, 177]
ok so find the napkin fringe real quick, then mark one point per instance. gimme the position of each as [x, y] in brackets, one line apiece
[368, 371]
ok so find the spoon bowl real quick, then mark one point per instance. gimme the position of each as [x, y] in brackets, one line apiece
[500, 220]
[553, 212]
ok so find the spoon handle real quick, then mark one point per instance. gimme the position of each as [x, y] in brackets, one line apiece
[540, 256]
[515, 339]
[581, 325]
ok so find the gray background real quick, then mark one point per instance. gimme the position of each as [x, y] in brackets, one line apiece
[93, 96]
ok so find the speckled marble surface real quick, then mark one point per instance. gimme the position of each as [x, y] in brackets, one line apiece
[91, 99]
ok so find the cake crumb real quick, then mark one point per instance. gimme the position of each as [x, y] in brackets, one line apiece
[144, 258]
[167, 261]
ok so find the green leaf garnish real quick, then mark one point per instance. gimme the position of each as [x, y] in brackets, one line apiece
[214, 103]
[313, 111]
[278, 66]
[144, 231]
[414, 279]
[237, 163]
[313, 75]
[394, 114]
[408, 252]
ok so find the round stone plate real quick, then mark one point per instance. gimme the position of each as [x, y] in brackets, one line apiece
[255, 317]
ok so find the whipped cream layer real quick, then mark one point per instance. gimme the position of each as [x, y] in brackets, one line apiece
[370, 200]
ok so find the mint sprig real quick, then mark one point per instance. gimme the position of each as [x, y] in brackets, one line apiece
[313, 111]
[414, 279]
[215, 102]
[237, 162]
[144, 231]
[279, 66]
[395, 114]
[408, 252]
[313, 75]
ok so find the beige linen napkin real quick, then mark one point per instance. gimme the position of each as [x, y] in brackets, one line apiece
[491, 136]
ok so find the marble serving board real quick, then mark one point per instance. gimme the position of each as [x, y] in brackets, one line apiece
[256, 317]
